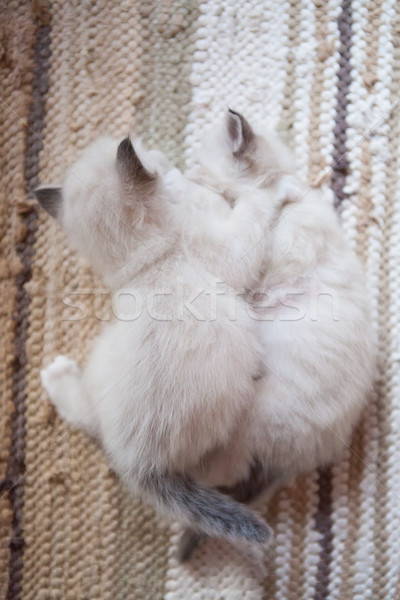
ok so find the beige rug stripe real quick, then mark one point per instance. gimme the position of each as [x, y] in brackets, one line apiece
[304, 71]
[71, 489]
[323, 93]
[11, 164]
[168, 30]
[386, 147]
[15, 96]
[63, 501]
[79, 534]
[287, 115]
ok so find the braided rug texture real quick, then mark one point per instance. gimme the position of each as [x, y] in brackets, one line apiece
[326, 73]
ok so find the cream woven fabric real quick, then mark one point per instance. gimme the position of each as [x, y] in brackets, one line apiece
[327, 74]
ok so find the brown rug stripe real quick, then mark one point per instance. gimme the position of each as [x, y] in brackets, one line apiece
[340, 161]
[16, 467]
[323, 517]
[16, 41]
[323, 524]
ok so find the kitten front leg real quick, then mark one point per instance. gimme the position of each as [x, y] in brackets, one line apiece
[62, 381]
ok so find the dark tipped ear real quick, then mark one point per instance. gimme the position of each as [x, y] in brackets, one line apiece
[50, 198]
[130, 168]
[240, 133]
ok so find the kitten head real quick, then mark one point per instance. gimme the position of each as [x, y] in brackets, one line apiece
[237, 155]
[111, 203]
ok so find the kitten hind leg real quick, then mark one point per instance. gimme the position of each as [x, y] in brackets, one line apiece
[62, 381]
[249, 489]
[189, 541]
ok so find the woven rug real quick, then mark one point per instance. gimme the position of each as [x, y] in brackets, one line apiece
[327, 75]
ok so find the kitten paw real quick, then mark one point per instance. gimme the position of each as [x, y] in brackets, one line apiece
[60, 367]
[58, 379]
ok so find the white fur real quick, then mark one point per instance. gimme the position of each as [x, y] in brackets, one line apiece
[161, 392]
[179, 388]
[319, 351]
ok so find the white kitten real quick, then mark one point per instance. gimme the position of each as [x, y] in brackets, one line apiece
[184, 397]
[312, 312]
[163, 391]
[312, 309]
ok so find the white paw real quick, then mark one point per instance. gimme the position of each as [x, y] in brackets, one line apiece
[58, 376]
[61, 367]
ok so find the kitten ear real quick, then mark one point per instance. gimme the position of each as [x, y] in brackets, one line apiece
[241, 135]
[131, 170]
[50, 198]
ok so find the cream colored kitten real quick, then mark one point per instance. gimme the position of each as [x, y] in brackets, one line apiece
[185, 397]
[310, 303]
[166, 389]
[312, 311]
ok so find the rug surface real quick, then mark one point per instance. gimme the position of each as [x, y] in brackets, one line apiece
[327, 75]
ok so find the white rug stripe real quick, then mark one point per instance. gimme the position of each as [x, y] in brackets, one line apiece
[340, 521]
[328, 99]
[305, 57]
[379, 106]
[239, 61]
[284, 539]
[312, 546]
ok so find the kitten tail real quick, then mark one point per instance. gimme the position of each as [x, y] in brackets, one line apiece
[205, 509]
